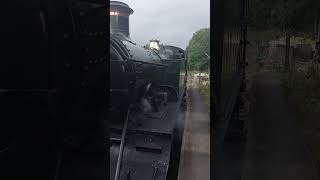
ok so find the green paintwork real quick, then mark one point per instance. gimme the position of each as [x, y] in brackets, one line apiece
[176, 74]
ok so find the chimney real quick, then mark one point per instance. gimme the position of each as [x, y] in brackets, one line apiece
[119, 18]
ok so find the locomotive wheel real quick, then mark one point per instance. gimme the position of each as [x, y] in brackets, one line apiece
[184, 101]
[172, 93]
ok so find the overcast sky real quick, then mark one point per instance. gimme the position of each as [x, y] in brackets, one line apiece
[173, 22]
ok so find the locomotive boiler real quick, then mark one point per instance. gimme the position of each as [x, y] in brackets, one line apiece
[147, 100]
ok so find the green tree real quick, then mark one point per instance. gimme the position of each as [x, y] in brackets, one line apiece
[198, 50]
[294, 15]
[291, 17]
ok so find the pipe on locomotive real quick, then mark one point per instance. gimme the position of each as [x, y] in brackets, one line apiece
[119, 18]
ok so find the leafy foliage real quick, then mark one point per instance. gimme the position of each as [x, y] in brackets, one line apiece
[205, 93]
[285, 15]
[304, 87]
[198, 49]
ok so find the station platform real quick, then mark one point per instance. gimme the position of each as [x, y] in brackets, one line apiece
[195, 155]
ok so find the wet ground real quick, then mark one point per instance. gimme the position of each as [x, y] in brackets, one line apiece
[195, 157]
[275, 147]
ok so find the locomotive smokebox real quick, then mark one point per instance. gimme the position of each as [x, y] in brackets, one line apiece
[119, 18]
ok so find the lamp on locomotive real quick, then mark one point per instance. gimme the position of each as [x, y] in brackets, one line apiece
[154, 44]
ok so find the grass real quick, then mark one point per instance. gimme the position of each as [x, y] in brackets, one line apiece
[205, 92]
[303, 88]
[204, 87]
